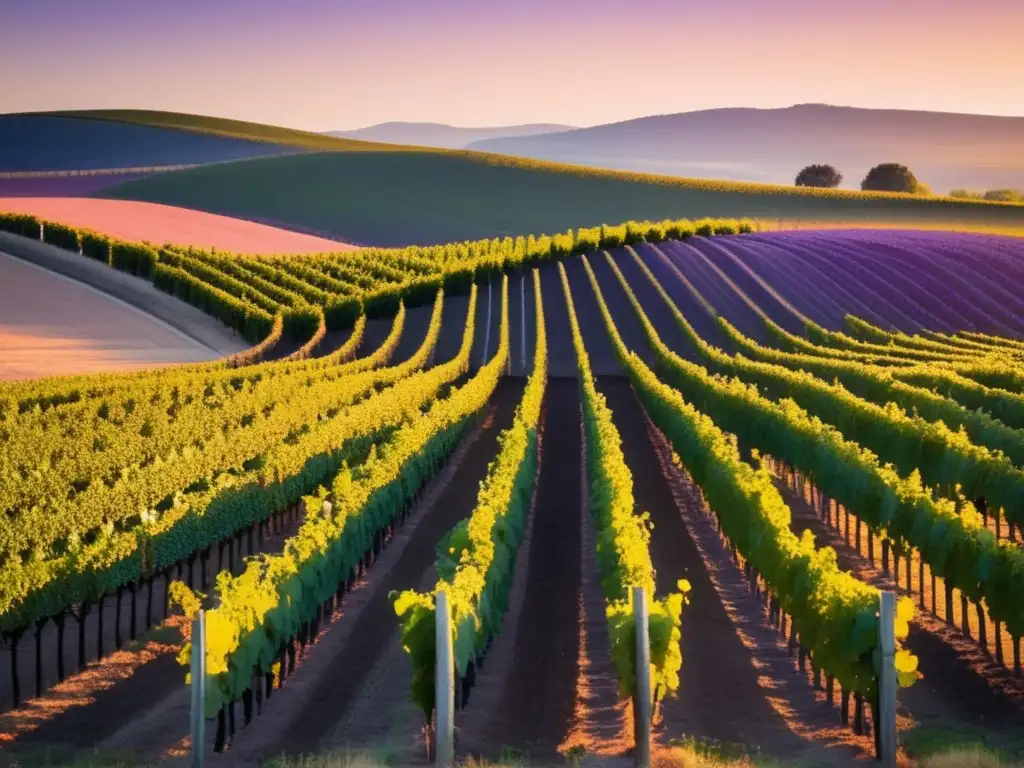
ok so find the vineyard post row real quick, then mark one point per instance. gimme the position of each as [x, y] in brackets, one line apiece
[628, 565]
[950, 537]
[444, 681]
[475, 576]
[798, 579]
[457, 266]
[282, 599]
[197, 678]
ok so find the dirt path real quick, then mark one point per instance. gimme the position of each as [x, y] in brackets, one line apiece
[453, 325]
[561, 352]
[487, 323]
[51, 325]
[602, 726]
[595, 337]
[341, 665]
[534, 710]
[960, 685]
[751, 690]
[377, 331]
[136, 292]
[332, 342]
[475, 734]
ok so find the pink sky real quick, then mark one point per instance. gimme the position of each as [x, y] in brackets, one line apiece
[327, 64]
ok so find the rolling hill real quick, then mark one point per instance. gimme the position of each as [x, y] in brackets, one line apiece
[400, 197]
[386, 194]
[945, 150]
[65, 143]
[441, 135]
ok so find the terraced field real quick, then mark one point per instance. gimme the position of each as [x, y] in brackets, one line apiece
[763, 429]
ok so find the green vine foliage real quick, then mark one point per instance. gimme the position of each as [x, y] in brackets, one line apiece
[623, 539]
[260, 610]
[476, 559]
[835, 615]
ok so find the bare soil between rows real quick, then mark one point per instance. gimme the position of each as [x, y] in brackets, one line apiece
[340, 681]
[737, 685]
[92, 703]
[534, 711]
[960, 685]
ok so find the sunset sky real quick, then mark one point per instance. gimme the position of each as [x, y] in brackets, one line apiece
[333, 64]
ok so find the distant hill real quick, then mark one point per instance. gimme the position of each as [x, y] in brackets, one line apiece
[390, 194]
[402, 196]
[945, 150]
[441, 135]
[59, 143]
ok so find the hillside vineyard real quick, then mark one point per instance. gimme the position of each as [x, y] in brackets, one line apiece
[535, 426]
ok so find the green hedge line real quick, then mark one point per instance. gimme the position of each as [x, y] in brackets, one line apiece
[315, 320]
[96, 246]
[302, 322]
[249, 320]
[279, 283]
[22, 224]
[62, 236]
[134, 258]
[213, 275]
[342, 312]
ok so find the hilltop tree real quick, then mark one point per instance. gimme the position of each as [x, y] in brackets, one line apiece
[819, 176]
[891, 177]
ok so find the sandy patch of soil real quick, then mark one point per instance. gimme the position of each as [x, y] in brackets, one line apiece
[961, 683]
[95, 701]
[51, 325]
[791, 719]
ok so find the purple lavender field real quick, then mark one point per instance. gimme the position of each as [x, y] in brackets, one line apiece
[899, 279]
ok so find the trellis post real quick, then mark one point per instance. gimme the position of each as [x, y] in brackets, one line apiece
[198, 676]
[887, 680]
[642, 698]
[444, 684]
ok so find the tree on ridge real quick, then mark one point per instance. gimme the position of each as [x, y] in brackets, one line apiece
[825, 176]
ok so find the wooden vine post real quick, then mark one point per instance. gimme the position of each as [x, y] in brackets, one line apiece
[642, 697]
[444, 684]
[198, 676]
[887, 680]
